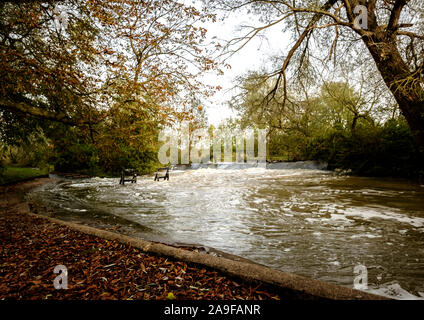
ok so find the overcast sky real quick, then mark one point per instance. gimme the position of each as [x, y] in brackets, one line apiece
[251, 57]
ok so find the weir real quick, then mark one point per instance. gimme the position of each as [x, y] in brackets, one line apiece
[307, 165]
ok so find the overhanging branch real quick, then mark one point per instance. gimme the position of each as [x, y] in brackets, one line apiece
[282, 74]
[36, 112]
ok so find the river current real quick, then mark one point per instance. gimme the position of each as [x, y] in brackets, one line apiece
[293, 217]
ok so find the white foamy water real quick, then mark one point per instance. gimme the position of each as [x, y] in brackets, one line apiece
[394, 290]
[307, 221]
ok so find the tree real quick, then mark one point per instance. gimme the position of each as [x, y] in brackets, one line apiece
[393, 37]
[107, 52]
[337, 107]
[343, 105]
[99, 78]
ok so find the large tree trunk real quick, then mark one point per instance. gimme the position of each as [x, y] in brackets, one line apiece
[395, 71]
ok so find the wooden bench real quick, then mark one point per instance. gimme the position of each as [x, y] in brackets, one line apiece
[128, 172]
[162, 173]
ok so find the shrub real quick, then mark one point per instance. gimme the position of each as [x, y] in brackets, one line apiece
[386, 150]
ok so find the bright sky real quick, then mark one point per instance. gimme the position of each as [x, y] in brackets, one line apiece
[251, 57]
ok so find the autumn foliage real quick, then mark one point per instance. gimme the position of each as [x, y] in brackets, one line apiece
[112, 72]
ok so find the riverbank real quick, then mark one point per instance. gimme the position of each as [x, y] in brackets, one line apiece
[104, 265]
[98, 269]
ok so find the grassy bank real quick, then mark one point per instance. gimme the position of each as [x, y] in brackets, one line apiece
[16, 174]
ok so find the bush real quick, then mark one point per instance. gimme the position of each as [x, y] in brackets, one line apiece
[77, 157]
[386, 150]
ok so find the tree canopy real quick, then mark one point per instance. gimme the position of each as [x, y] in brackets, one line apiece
[144, 52]
[328, 31]
[112, 72]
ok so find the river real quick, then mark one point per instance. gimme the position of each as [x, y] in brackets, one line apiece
[293, 217]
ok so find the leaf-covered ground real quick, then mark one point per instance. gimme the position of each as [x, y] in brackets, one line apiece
[31, 247]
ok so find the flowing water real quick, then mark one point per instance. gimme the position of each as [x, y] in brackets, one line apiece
[293, 217]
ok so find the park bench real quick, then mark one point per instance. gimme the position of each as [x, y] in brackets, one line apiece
[162, 173]
[128, 172]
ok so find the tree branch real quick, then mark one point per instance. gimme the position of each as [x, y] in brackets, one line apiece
[410, 34]
[395, 15]
[282, 74]
[36, 112]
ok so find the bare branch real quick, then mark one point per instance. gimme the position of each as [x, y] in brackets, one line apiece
[410, 34]
[395, 15]
[282, 73]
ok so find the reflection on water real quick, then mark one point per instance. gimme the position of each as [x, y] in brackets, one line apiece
[310, 222]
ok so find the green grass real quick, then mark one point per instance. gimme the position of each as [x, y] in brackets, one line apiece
[16, 174]
[277, 158]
